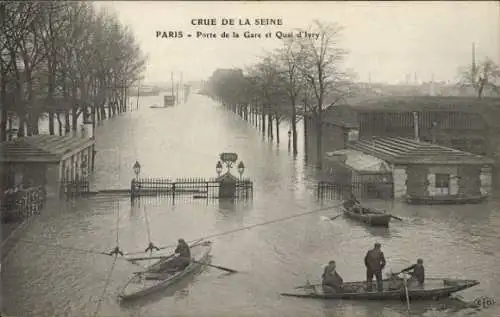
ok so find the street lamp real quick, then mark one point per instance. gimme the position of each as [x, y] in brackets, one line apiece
[218, 168]
[137, 169]
[241, 168]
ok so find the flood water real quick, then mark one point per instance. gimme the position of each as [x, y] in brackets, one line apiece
[56, 271]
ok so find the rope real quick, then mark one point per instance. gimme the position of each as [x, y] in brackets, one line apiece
[151, 246]
[118, 224]
[250, 226]
[108, 280]
[61, 247]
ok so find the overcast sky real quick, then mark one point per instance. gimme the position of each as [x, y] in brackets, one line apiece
[386, 39]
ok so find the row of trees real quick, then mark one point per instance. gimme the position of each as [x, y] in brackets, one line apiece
[62, 60]
[305, 75]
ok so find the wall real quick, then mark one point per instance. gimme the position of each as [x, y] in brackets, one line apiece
[334, 138]
[486, 181]
[399, 176]
[52, 176]
[470, 181]
[417, 182]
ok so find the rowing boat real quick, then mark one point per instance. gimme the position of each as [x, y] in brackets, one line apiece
[369, 216]
[433, 288]
[150, 280]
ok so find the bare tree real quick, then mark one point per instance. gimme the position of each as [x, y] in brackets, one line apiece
[324, 75]
[480, 77]
[290, 58]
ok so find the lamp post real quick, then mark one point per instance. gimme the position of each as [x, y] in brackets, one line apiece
[218, 168]
[241, 168]
[137, 169]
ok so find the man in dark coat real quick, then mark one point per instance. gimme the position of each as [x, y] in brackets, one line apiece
[180, 261]
[417, 271]
[375, 263]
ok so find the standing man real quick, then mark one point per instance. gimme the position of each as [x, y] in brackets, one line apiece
[375, 263]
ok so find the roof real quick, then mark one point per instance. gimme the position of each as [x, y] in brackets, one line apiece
[41, 148]
[359, 161]
[427, 103]
[398, 150]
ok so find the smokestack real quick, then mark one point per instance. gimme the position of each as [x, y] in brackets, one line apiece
[415, 125]
[432, 88]
[415, 78]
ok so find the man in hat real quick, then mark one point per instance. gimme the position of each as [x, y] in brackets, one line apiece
[417, 271]
[375, 263]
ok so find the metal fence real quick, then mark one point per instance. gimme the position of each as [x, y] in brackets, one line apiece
[19, 204]
[339, 191]
[196, 188]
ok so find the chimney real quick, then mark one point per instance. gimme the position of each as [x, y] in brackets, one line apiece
[415, 125]
[432, 87]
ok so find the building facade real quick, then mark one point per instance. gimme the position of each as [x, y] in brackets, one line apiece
[48, 160]
[429, 173]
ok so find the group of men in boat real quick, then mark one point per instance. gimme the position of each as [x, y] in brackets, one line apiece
[375, 263]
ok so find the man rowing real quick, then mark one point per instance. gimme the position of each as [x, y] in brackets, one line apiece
[182, 258]
[352, 203]
[417, 272]
[375, 263]
[332, 281]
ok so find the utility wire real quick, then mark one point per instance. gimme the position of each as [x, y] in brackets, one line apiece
[108, 280]
[48, 245]
[251, 226]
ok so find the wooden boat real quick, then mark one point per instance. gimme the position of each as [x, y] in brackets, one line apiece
[434, 288]
[150, 280]
[444, 200]
[369, 216]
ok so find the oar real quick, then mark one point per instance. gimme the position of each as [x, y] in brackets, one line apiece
[216, 266]
[335, 217]
[397, 218]
[156, 257]
[406, 291]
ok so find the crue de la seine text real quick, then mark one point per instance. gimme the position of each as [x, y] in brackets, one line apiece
[239, 21]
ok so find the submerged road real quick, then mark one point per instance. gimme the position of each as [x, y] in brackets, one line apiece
[56, 270]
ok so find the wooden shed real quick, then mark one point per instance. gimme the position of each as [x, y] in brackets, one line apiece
[46, 160]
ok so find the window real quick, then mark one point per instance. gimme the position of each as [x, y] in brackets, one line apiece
[442, 184]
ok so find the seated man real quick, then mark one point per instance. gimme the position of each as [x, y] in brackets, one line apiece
[332, 281]
[417, 273]
[181, 260]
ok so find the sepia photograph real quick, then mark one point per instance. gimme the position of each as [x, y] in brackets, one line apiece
[249, 158]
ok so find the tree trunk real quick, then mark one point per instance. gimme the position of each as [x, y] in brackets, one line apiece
[51, 122]
[306, 138]
[67, 123]
[294, 128]
[276, 117]
[59, 123]
[263, 122]
[270, 125]
[319, 139]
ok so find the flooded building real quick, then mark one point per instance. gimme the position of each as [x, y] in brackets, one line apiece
[45, 160]
[367, 175]
[463, 123]
[431, 174]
